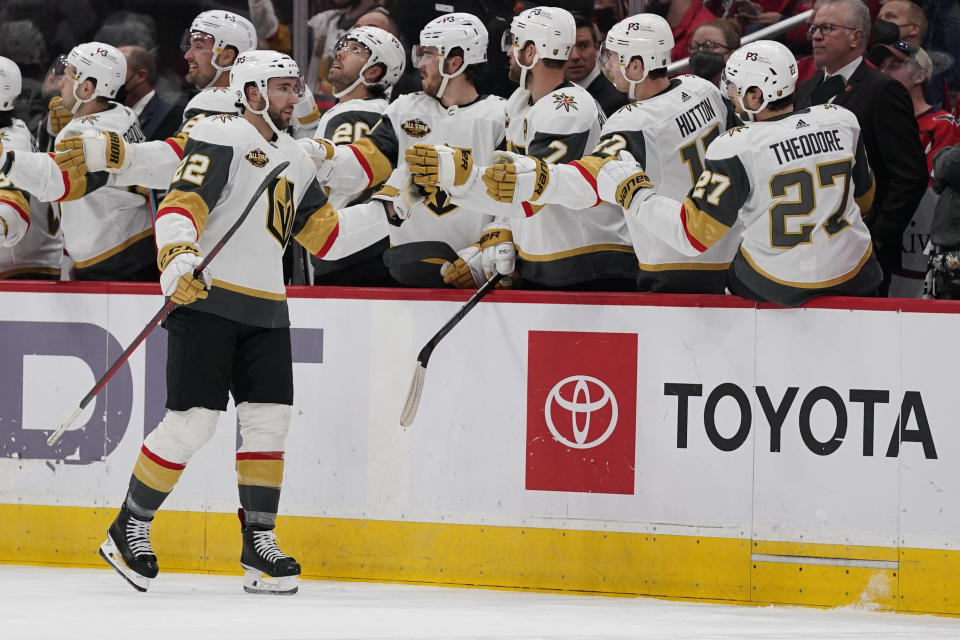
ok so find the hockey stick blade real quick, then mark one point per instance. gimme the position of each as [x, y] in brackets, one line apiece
[412, 403]
[413, 396]
[168, 306]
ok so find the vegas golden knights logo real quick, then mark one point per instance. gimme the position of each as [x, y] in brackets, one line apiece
[280, 210]
[439, 203]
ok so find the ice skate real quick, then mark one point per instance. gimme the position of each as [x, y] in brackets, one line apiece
[127, 549]
[266, 569]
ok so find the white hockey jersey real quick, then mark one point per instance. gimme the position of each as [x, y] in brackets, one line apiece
[436, 223]
[558, 246]
[668, 134]
[797, 184]
[40, 251]
[224, 161]
[345, 123]
[108, 232]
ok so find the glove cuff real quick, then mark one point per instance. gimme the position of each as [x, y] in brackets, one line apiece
[494, 236]
[171, 251]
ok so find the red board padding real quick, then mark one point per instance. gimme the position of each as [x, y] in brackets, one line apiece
[521, 297]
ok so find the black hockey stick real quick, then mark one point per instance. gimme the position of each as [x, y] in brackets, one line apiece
[169, 306]
[409, 411]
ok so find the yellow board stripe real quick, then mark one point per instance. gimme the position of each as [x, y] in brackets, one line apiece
[605, 562]
[260, 473]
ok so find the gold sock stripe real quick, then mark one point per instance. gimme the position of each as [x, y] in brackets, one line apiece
[156, 476]
[260, 473]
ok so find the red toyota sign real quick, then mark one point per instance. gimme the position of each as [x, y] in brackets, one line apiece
[581, 411]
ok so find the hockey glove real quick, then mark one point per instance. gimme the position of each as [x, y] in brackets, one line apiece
[624, 183]
[440, 165]
[13, 226]
[93, 151]
[177, 263]
[513, 178]
[58, 116]
[466, 272]
[499, 254]
[321, 151]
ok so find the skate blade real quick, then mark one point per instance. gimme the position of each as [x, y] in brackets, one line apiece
[256, 581]
[110, 553]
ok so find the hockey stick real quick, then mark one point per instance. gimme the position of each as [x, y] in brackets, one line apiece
[169, 306]
[412, 402]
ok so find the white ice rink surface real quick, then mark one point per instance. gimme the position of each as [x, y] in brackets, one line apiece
[78, 604]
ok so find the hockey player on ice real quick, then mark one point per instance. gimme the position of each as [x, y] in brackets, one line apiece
[666, 127]
[791, 185]
[451, 56]
[31, 246]
[108, 232]
[552, 121]
[230, 334]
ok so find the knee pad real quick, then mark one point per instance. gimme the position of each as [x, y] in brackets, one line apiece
[263, 426]
[181, 433]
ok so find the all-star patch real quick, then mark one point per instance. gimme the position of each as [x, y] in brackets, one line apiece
[415, 128]
[258, 158]
[565, 101]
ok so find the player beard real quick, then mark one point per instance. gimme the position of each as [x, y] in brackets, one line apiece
[279, 120]
[199, 78]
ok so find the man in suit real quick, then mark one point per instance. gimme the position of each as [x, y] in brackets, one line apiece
[158, 120]
[582, 67]
[839, 33]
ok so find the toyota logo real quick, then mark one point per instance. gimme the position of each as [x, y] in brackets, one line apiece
[580, 403]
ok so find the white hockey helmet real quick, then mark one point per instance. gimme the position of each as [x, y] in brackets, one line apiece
[227, 29]
[645, 36]
[11, 83]
[447, 32]
[101, 63]
[259, 67]
[384, 49]
[551, 29]
[764, 64]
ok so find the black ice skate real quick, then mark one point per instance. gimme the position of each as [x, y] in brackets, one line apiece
[266, 569]
[127, 549]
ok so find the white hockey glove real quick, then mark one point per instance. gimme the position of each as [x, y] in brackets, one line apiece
[93, 151]
[177, 263]
[513, 178]
[499, 254]
[477, 263]
[12, 225]
[321, 151]
[623, 182]
[466, 272]
[450, 168]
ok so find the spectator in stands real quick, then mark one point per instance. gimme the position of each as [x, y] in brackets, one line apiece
[911, 66]
[711, 46]
[909, 18]
[582, 67]
[683, 16]
[945, 231]
[839, 34]
[158, 120]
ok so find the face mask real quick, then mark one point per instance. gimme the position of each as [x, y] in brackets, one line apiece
[658, 8]
[885, 32]
[706, 64]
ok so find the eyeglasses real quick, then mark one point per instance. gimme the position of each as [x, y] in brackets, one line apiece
[826, 29]
[707, 45]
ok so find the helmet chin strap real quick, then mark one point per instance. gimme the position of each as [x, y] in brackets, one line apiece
[263, 113]
[216, 76]
[340, 94]
[446, 77]
[78, 101]
[525, 68]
